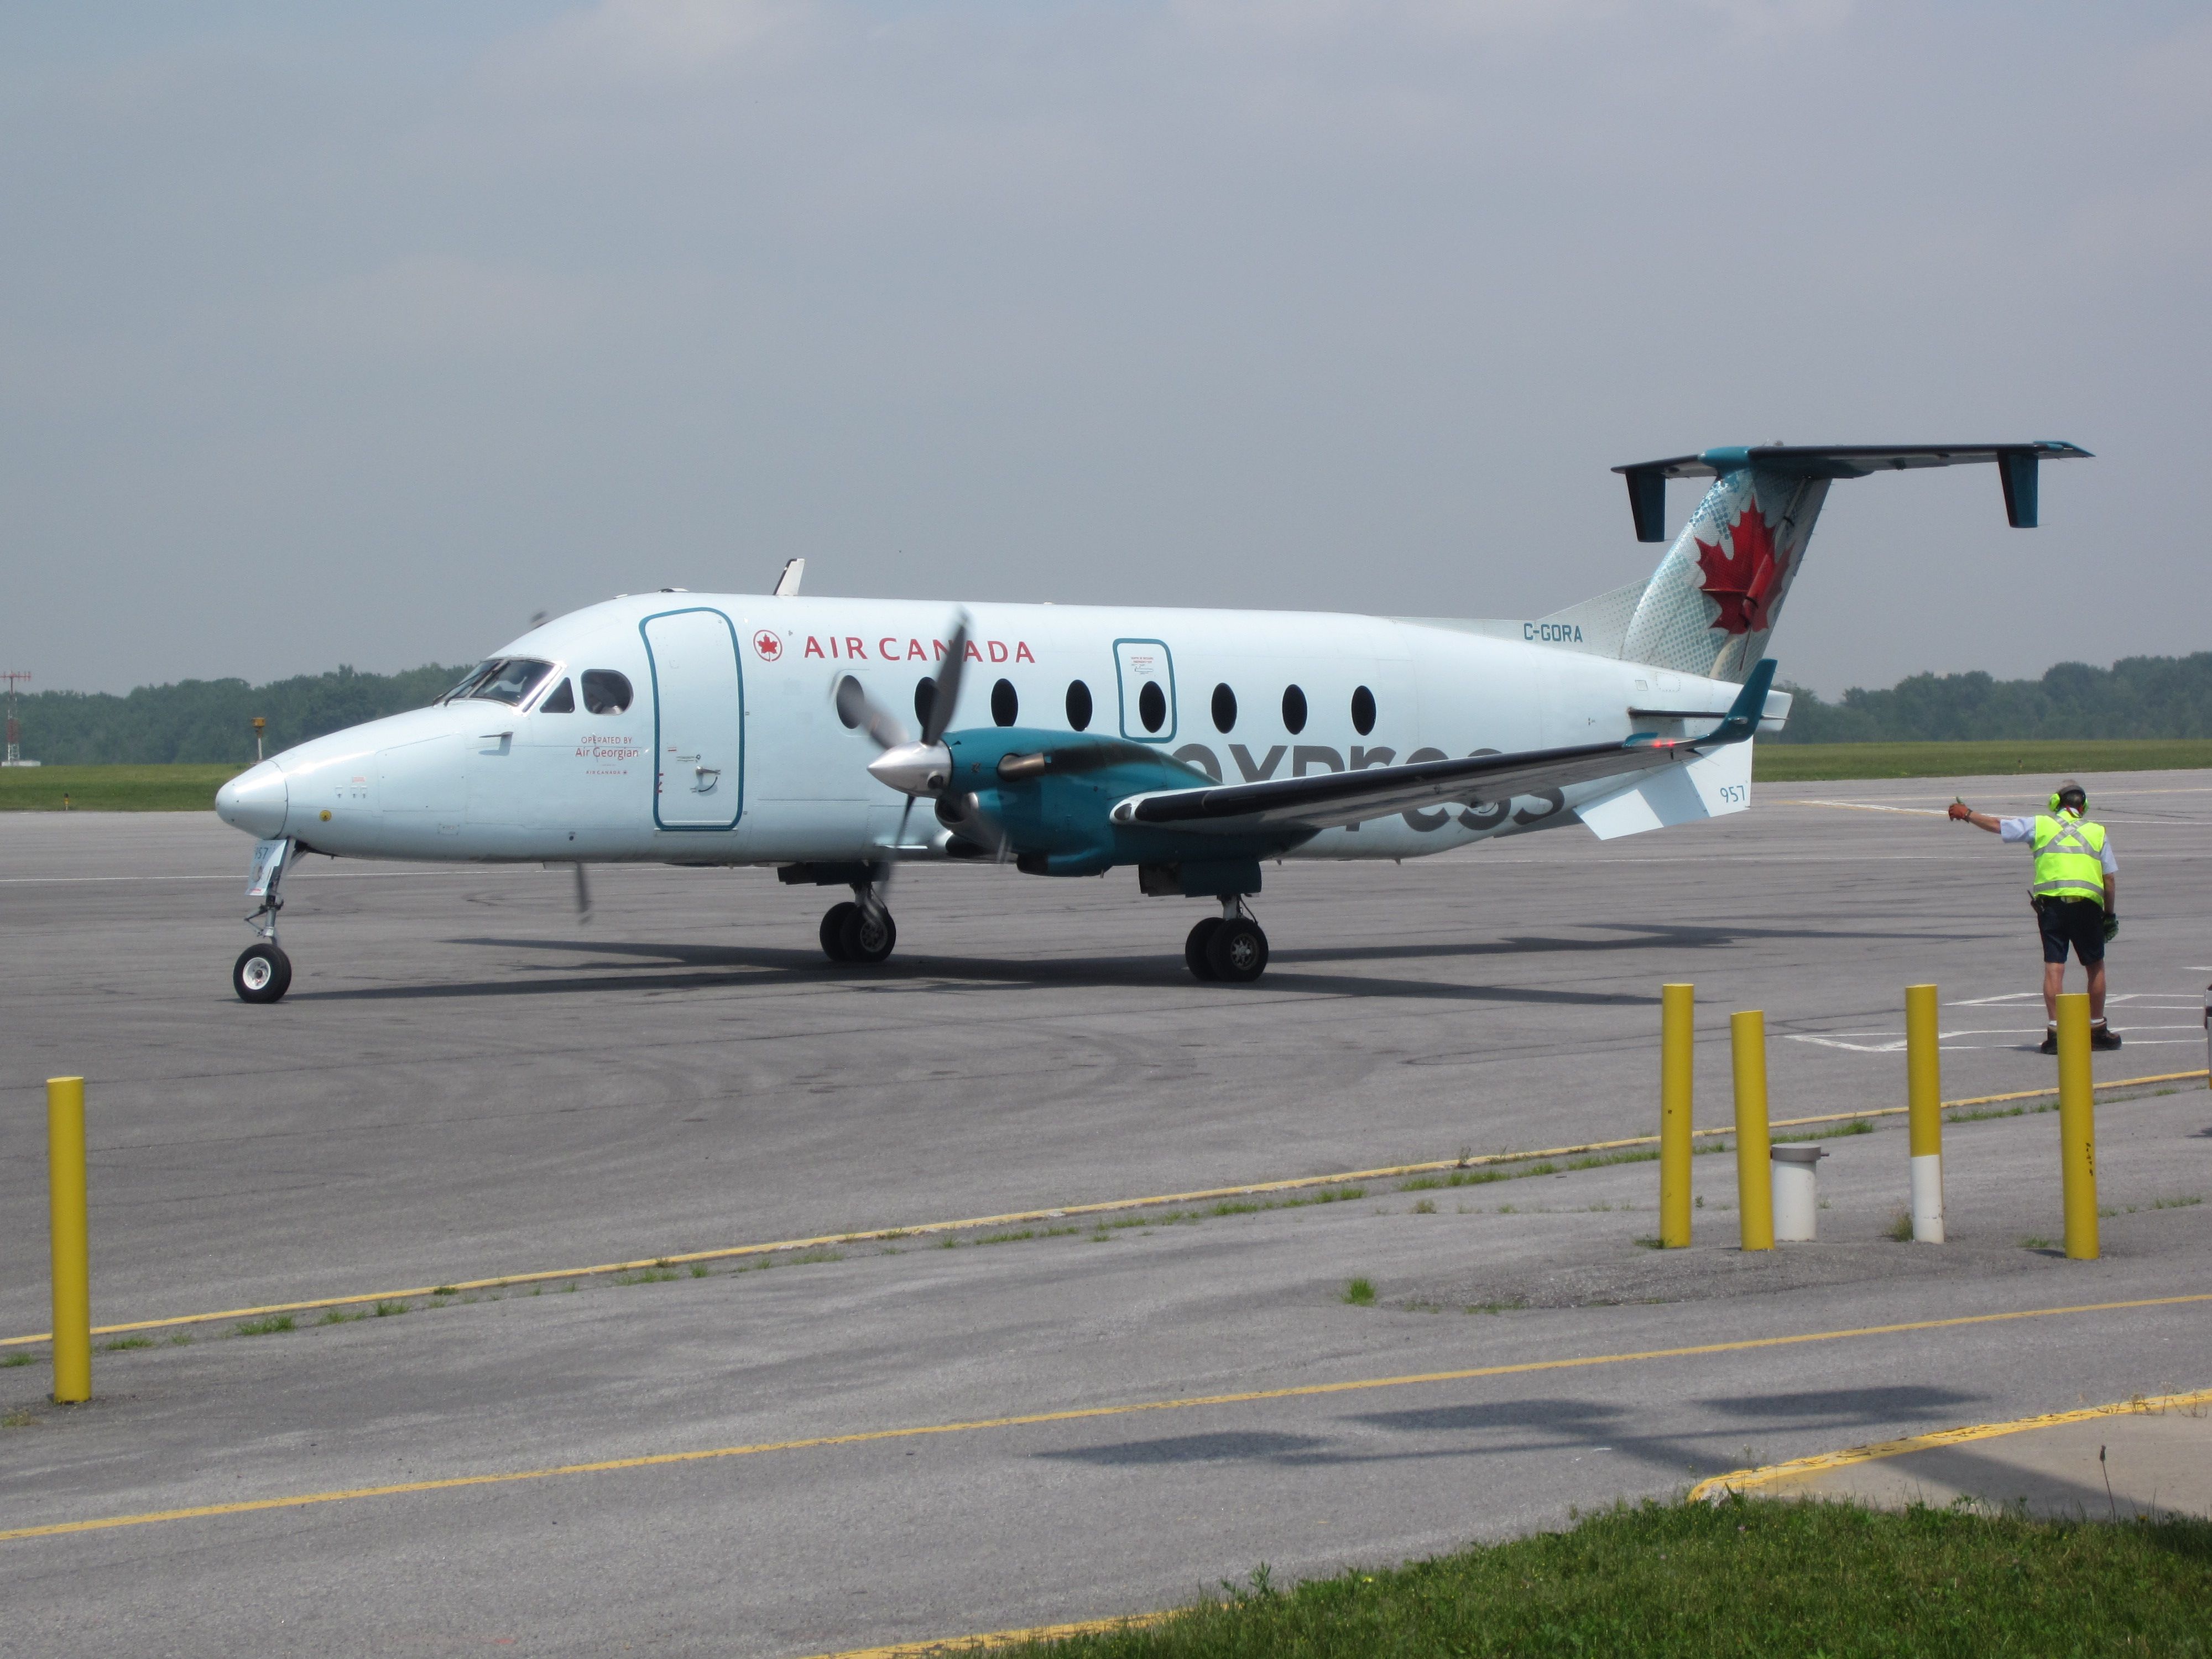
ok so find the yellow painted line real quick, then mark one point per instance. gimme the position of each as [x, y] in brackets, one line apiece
[970, 1224]
[952, 1644]
[1083, 1414]
[1718, 1486]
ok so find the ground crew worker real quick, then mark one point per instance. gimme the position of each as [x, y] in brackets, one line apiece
[2076, 896]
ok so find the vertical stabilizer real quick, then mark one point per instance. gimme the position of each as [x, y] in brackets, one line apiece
[1712, 605]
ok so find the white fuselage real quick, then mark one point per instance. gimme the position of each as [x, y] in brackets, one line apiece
[731, 749]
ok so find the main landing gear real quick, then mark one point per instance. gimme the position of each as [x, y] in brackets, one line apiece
[1230, 947]
[860, 930]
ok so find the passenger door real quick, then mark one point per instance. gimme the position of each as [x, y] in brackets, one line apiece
[699, 719]
[1146, 673]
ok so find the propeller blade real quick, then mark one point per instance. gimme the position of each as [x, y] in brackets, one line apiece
[856, 708]
[583, 894]
[947, 695]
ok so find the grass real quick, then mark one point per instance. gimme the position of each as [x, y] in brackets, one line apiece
[113, 789]
[2035, 1242]
[15, 1360]
[1901, 1228]
[387, 1309]
[1819, 762]
[645, 1276]
[269, 1327]
[1360, 1292]
[1735, 1579]
[121, 1343]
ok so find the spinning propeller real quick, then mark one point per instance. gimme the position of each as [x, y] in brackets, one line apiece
[914, 768]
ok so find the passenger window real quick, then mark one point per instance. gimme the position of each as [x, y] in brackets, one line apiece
[1078, 706]
[851, 703]
[606, 692]
[1294, 710]
[562, 702]
[1363, 711]
[1152, 706]
[1005, 704]
[1224, 708]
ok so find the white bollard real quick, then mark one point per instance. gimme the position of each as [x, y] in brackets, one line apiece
[1796, 1193]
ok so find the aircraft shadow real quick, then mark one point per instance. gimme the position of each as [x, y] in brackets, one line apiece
[713, 966]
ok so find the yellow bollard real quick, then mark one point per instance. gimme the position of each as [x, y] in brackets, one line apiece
[1677, 1055]
[72, 1257]
[1754, 1184]
[2077, 1127]
[1923, 1071]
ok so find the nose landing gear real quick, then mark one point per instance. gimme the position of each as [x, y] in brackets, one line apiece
[263, 973]
[1228, 948]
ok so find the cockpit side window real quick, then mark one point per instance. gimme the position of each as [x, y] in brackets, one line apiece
[606, 692]
[509, 680]
[561, 700]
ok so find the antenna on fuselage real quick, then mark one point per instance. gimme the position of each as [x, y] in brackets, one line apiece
[787, 585]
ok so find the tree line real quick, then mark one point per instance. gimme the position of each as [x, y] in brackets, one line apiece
[2136, 697]
[211, 720]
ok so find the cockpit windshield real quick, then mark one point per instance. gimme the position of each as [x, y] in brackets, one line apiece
[509, 680]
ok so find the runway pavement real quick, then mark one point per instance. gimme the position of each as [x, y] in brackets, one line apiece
[465, 1082]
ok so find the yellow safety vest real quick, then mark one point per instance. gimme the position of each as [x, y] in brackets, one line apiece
[2069, 858]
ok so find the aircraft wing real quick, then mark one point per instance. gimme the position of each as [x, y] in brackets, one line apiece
[1326, 799]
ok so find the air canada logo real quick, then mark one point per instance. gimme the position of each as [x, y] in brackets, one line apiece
[767, 647]
[1744, 578]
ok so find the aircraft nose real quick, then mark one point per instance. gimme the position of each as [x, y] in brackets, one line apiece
[254, 801]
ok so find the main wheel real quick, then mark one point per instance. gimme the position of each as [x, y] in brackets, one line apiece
[1237, 952]
[833, 929]
[262, 973]
[868, 934]
[1193, 948]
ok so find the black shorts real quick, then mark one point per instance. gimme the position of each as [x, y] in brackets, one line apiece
[2079, 922]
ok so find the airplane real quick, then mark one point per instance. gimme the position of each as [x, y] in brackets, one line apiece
[1196, 745]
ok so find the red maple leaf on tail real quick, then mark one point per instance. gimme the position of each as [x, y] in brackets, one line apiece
[1743, 581]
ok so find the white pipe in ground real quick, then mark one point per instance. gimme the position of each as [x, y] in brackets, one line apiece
[1928, 1198]
[1796, 1193]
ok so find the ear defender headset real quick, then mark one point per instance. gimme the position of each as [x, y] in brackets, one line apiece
[2082, 795]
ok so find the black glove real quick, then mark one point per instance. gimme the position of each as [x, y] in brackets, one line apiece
[2111, 926]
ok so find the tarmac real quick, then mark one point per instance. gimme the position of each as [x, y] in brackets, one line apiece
[1065, 1418]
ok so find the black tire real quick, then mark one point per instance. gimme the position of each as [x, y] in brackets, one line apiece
[262, 974]
[868, 933]
[1237, 952]
[833, 929]
[1193, 948]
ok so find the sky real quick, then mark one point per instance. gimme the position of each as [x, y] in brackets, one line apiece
[347, 334]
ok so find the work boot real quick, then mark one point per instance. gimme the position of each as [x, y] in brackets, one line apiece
[2102, 1036]
[2050, 1043]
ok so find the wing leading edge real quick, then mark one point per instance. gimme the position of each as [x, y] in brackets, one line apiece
[1327, 800]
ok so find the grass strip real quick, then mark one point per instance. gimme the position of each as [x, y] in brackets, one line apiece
[1824, 763]
[111, 789]
[1742, 1578]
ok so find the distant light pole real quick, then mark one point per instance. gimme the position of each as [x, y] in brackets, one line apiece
[259, 725]
[15, 755]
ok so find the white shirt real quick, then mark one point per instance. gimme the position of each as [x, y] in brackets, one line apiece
[2023, 829]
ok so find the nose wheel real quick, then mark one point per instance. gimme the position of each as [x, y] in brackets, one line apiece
[1229, 949]
[862, 933]
[263, 973]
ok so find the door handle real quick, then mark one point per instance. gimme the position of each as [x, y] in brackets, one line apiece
[707, 777]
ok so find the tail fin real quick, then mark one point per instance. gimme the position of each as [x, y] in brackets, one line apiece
[1712, 605]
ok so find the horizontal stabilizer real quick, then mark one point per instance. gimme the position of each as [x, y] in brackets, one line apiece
[2015, 464]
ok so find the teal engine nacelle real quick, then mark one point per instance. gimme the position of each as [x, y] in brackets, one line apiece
[1046, 799]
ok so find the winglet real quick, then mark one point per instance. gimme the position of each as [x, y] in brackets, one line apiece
[1744, 715]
